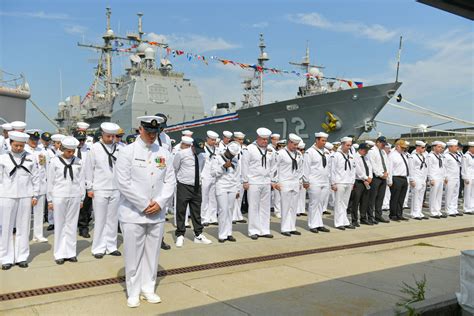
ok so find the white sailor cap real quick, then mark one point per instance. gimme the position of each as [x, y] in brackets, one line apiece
[437, 142]
[388, 145]
[264, 132]
[301, 145]
[227, 134]
[18, 136]
[18, 125]
[212, 134]
[69, 142]
[187, 133]
[282, 142]
[239, 135]
[7, 127]
[187, 140]
[218, 140]
[356, 146]
[275, 135]
[370, 143]
[234, 148]
[420, 143]
[82, 125]
[57, 137]
[346, 139]
[294, 138]
[452, 143]
[328, 146]
[110, 128]
[336, 143]
[321, 134]
[470, 144]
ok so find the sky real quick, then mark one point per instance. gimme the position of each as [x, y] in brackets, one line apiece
[356, 40]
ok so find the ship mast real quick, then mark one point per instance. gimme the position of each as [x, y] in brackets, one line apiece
[306, 66]
[262, 58]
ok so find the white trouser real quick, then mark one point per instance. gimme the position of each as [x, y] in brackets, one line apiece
[237, 214]
[452, 196]
[276, 198]
[15, 213]
[436, 197]
[342, 196]
[225, 203]
[386, 199]
[66, 216]
[209, 202]
[258, 196]
[318, 202]
[301, 201]
[105, 204]
[50, 216]
[142, 244]
[405, 202]
[418, 193]
[289, 207]
[38, 213]
[331, 199]
[469, 196]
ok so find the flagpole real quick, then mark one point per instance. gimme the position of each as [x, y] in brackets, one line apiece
[398, 59]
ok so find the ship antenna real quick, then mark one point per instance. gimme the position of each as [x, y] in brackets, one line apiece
[398, 59]
[261, 62]
[140, 30]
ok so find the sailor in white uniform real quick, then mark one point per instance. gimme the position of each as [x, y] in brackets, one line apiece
[145, 178]
[286, 179]
[342, 177]
[276, 196]
[237, 215]
[53, 151]
[4, 140]
[418, 176]
[453, 169]
[329, 151]
[225, 168]
[302, 194]
[208, 182]
[467, 173]
[18, 192]
[163, 139]
[185, 133]
[66, 191]
[18, 126]
[257, 172]
[436, 177]
[101, 188]
[226, 138]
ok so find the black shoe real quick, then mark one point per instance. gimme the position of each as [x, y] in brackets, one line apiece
[231, 238]
[295, 232]
[444, 215]
[386, 210]
[59, 261]
[459, 214]
[435, 216]
[214, 224]
[314, 230]
[221, 240]
[203, 224]
[394, 219]
[366, 222]
[402, 218]
[267, 236]
[165, 246]
[234, 222]
[373, 221]
[72, 259]
[189, 226]
[7, 266]
[341, 228]
[98, 255]
[350, 227]
[115, 253]
[469, 213]
[254, 237]
[381, 220]
[355, 224]
[14, 230]
[298, 215]
[84, 234]
[418, 218]
[326, 213]
[424, 217]
[323, 229]
[242, 221]
[23, 264]
[303, 214]
[50, 228]
[452, 215]
[287, 234]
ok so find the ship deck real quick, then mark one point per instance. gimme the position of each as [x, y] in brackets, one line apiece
[336, 273]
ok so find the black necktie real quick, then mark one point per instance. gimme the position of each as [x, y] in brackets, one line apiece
[79, 153]
[67, 167]
[423, 162]
[225, 160]
[196, 172]
[264, 156]
[365, 166]
[159, 140]
[440, 161]
[383, 161]
[111, 156]
[347, 162]
[211, 153]
[323, 156]
[294, 163]
[405, 162]
[17, 166]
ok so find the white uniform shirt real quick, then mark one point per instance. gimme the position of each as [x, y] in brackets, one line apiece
[184, 166]
[21, 183]
[82, 153]
[313, 170]
[436, 166]
[41, 160]
[222, 147]
[143, 173]
[207, 156]
[288, 169]
[60, 184]
[453, 165]
[418, 167]
[342, 168]
[257, 165]
[3, 144]
[399, 164]
[361, 173]
[98, 173]
[375, 157]
[165, 141]
[227, 179]
[467, 170]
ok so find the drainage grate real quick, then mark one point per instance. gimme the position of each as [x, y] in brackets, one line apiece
[223, 264]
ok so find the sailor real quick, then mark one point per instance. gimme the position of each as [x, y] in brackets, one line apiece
[417, 178]
[4, 140]
[41, 160]
[386, 199]
[398, 179]
[467, 173]
[362, 186]
[66, 190]
[257, 172]
[145, 178]
[188, 165]
[130, 139]
[379, 160]
[45, 141]
[186, 133]
[436, 177]
[19, 190]
[209, 202]
[329, 151]
[276, 145]
[101, 188]
[237, 216]
[82, 126]
[55, 149]
[342, 175]
[226, 138]
[301, 211]
[18, 126]
[163, 139]
[225, 168]
[453, 168]
[119, 139]
[286, 179]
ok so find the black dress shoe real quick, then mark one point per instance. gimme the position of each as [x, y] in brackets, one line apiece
[85, 234]
[436, 216]
[418, 218]
[452, 215]
[234, 222]
[115, 253]
[23, 264]
[341, 228]
[50, 228]
[459, 214]
[469, 213]
[424, 217]
[374, 221]
[231, 238]
[381, 220]
[267, 236]
[323, 229]
[295, 232]
[394, 219]
[165, 246]
[7, 266]
[350, 227]
[356, 224]
[203, 224]
[303, 214]
[214, 224]
[366, 222]
[242, 221]
[314, 230]
[254, 237]
[221, 240]
[402, 218]
[72, 259]
[298, 215]
[287, 234]
[59, 261]
[98, 255]
[189, 226]
[443, 215]
[326, 213]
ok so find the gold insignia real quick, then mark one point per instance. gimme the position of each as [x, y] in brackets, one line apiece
[154, 123]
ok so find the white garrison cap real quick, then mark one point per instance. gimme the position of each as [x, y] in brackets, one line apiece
[370, 143]
[294, 138]
[187, 140]
[470, 144]
[356, 146]
[69, 142]
[212, 135]
[187, 133]
[239, 135]
[110, 128]
[264, 132]
[234, 148]
[227, 134]
[82, 125]
[275, 135]
[57, 137]
[7, 127]
[16, 125]
[321, 134]
[328, 146]
[18, 136]
[346, 139]
[301, 145]
[420, 143]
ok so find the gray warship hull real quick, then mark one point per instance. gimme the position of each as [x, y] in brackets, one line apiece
[353, 108]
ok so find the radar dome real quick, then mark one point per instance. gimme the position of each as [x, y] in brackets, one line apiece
[109, 33]
[265, 55]
[313, 71]
[149, 53]
[142, 47]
